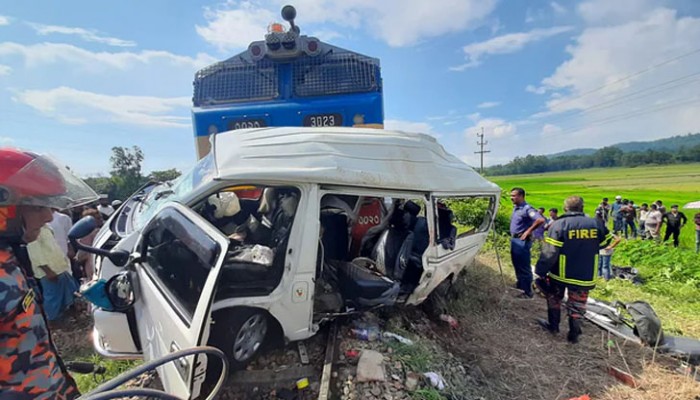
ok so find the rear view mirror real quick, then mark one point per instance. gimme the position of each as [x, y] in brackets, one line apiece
[82, 228]
[85, 227]
[120, 291]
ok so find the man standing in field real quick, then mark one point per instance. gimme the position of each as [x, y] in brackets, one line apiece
[616, 215]
[567, 264]
[553, 215]
[696, 219]
[643, 212]
[604, 207]
[523, 222]
[675, 220]
[653, 223]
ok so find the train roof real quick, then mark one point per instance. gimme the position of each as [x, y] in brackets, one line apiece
[345, 156]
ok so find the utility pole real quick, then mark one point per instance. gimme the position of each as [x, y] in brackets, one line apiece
[481, 143]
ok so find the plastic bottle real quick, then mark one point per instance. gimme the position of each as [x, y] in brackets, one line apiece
[366, 334]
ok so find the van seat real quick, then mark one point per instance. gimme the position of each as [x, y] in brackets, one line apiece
[364, 287]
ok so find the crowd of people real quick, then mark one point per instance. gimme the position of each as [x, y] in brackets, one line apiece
[572, 244]
[646, 221]
[56, 265]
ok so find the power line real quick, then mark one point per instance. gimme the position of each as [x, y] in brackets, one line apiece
[481, 143]
[622, 117]
[628, 77]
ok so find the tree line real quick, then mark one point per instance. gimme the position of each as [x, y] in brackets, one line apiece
[126, 175]
[603, 158]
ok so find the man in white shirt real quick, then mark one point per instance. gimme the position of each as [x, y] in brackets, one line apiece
[60, 225]
[52, 268]
[104, 208]
[653, 223]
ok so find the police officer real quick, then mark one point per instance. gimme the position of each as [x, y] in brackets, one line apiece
[523, 222]
[567, 264]
[30, 186]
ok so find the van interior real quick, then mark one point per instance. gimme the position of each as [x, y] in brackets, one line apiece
[370, 250]
[257, 220]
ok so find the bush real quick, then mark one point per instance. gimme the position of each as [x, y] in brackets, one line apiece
[659, 263]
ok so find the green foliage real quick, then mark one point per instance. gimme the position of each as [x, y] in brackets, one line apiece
[660, 264]
[125, 177]
[126, 170]
[414, 357]
[471, 213]
[685, 150]
[674, 184]
[164, 175]
[89, 382]
[427, 394]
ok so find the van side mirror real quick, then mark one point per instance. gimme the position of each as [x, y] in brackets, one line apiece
[82, 229]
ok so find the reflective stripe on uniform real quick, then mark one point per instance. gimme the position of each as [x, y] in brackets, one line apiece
[570, 281]
[553, 242]
[562, 265]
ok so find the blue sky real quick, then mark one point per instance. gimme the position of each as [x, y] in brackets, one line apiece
[79, 77]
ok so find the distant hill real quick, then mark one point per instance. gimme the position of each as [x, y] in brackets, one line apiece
[667, 144]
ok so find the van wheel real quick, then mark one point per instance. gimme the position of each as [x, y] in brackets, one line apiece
[241, 334]
[437, 300]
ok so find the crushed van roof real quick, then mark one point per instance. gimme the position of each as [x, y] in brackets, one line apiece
[345, 156]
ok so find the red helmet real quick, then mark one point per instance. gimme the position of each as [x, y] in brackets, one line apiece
[34, 180]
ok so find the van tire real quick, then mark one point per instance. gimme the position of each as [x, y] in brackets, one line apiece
[241, 334]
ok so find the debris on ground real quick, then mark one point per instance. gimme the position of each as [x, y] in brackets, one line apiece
[494, 352]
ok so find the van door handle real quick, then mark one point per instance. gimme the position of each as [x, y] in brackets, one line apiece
[182, 362]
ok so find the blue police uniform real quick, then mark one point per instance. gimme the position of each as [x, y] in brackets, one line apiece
[524, 215]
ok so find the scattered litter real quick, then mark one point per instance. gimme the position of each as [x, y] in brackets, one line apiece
[369, 334]
[584, 397]
[623, 377]
[450, 320]
[350, 354]
[435, 380]
[412, 380]
[370, 368]
[302, 383]
[303, 353]
[400, 338]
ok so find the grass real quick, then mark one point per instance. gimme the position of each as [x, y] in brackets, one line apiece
[89, 382]
[673, 184]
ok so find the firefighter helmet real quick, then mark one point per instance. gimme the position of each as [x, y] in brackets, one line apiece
[29, 179]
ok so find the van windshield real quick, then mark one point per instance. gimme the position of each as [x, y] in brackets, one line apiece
[176, 190]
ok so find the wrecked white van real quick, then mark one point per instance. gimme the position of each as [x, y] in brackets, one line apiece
[278, 230]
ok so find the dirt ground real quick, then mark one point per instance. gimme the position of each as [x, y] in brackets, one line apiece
[496, 352]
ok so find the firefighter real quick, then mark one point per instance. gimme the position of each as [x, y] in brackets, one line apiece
[30, 186]
[567, 264]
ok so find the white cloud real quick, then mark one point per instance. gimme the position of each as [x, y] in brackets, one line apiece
[397, 22]
[536, 89]
[605, 12]
[72, 106]
[631, 79]
[550, 130]
[327, 35]
[235, 28]
[50, 53]
[4, 20]
[474, 116]
[557, 8]
[5, 70]
[505, 44]
[494, 128]
[85, 34]
[6, 140]
[410, 126]
[489, 104]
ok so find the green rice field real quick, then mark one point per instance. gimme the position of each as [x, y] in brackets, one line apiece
[673, 184]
